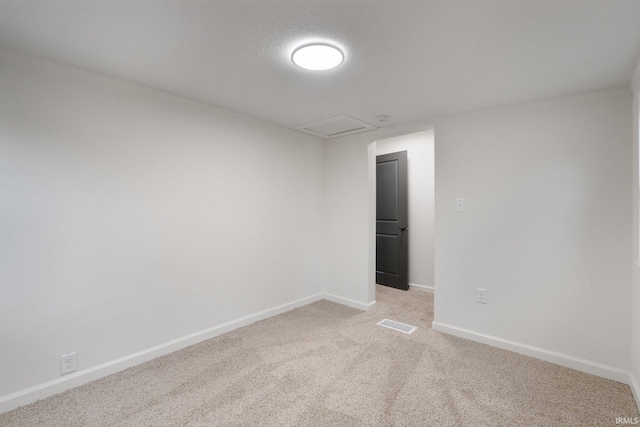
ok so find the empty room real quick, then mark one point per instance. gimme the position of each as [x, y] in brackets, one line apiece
[309, 213]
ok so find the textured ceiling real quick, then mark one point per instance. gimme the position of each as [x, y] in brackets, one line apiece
[406, 59]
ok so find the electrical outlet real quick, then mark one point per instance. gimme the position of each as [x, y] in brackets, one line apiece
[481, 295]
[68, 363]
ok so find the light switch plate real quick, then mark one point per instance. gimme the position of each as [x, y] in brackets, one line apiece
[481, 295]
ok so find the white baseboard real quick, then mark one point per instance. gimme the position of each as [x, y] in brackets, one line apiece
[76, 379]
[424, 288]
[85, 376]
[635, 389]
[351, 303]
[565, 360]
[50, 388]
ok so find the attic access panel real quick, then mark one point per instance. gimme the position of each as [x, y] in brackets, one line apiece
[335, 127]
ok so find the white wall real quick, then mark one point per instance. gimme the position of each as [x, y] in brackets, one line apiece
[131, 217]
[547, 225]
[635, 266]
[347, 221]
[420, 164]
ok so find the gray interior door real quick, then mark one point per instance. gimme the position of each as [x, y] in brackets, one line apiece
[392, 238]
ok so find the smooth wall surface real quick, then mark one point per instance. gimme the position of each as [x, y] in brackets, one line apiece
[347, 220]
[131, 217]
[420, 164]
[547, 224]
[635, 291]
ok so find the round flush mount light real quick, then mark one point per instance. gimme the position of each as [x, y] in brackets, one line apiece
[317, 56]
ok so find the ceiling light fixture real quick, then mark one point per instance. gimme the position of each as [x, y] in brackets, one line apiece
[317, 57]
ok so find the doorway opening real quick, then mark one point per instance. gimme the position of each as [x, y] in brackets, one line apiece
[419, 232]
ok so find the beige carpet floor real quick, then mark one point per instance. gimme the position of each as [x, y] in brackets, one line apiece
[329, 365]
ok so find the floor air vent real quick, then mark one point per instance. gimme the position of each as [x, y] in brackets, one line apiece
[335, 127]
[402, 327]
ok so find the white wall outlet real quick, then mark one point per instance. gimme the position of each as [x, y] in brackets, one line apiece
[459, 205]
[481, 295]
[68, 363]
